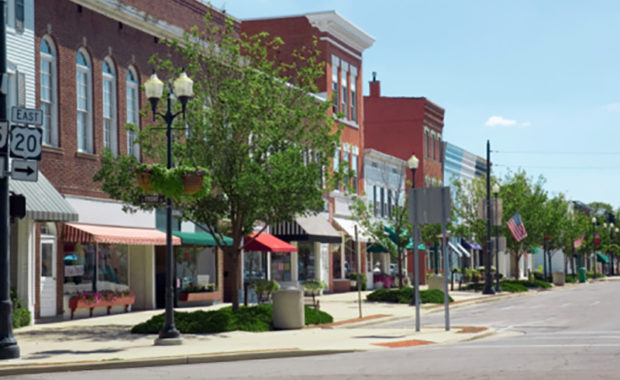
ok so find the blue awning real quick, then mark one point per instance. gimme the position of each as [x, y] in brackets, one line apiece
[470, 245]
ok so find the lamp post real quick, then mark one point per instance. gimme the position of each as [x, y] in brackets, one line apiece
[496, 193]
[8, 345]
[611, 228]
[413, 163]
[594, 245]
[183, 90]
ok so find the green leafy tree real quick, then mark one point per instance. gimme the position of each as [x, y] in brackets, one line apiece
[253, 124]
[573, 227]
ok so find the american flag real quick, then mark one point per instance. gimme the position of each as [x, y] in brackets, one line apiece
[577, 243]
[516, 227]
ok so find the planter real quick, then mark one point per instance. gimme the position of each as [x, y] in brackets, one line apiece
[144, 181]
[78, 303]
[199, 296]
[192, 183]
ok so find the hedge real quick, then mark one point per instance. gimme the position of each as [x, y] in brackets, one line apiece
[405, 295]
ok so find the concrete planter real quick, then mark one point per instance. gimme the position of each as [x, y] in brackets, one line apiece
[435, 282]
[558, 278]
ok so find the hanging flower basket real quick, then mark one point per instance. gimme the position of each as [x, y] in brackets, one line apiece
[144, 181]
[192, 183]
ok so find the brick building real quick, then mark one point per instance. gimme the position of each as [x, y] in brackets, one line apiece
[327, 255]
[91, 58]
[400, 127]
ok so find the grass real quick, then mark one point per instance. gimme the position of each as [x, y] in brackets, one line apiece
[405, 295]
[251, 318]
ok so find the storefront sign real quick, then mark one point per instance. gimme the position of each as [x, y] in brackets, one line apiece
[74, 270]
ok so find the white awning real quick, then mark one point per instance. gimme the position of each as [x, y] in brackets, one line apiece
[463, 250]
[348, 226]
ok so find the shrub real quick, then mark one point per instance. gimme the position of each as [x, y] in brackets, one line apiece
[253, 318]
[314, 286]
[405, 295]
[363, 278]
[264, 288]
[21, 315]
[570, 279]
[513, 286]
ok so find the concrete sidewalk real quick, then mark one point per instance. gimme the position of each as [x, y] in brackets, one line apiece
[105, 342]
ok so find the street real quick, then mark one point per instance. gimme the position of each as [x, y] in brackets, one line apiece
[567, 333]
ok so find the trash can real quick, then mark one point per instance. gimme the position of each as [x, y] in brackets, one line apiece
[288, 309]
[558, 278]
[582, 274]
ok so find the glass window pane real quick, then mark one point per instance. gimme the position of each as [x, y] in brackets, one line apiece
[47, 260]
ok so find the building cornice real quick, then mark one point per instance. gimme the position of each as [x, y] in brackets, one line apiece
[332, 23]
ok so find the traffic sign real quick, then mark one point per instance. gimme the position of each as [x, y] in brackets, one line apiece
[25, 170]
[26, 142]
[21, 115]
[4, 132]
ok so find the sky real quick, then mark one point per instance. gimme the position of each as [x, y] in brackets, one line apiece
[539, 79]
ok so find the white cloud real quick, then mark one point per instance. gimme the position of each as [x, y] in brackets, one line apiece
[613, 107]
[499, 121]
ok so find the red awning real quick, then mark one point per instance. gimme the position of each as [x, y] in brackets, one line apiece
[91, 233]
[268, 243]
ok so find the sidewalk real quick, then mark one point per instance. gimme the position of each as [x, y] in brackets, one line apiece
[105, 342]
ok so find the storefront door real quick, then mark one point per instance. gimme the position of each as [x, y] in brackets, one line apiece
[48, 277]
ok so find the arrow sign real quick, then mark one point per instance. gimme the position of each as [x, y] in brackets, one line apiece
[25, 170]
[4, 132]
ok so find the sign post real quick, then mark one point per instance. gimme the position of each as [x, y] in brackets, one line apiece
[8, 345]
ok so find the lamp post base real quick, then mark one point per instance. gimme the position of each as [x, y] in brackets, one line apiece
[9, 350]
[169, 337]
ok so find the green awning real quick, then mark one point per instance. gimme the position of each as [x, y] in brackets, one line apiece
[533, 250]
[378, 248]
[602, 258]
[200, 238]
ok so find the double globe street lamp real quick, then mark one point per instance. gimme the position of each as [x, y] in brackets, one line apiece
[182, 88]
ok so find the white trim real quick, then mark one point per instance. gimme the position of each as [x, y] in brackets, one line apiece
[88, 111]
[111, 142]
[331, 22]
[52, 59]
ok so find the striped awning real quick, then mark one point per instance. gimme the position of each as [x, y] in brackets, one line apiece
[460, 251]
[307, 228]
[348, 226]
[43, 201]
[91, 233]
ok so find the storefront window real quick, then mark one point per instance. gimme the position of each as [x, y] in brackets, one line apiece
[113, 268]
[281, 266]
[306, 265]
[254, 265]
[196, 267]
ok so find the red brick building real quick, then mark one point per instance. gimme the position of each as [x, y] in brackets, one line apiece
[341, 45]
[92, 57]
[402, 126]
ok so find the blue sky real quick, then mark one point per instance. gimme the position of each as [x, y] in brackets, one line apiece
[539, 79]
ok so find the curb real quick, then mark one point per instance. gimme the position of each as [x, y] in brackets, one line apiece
[29, 369]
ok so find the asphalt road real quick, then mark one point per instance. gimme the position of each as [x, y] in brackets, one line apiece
[571, 333]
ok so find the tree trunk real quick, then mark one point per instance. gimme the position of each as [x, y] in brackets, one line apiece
[517, 257]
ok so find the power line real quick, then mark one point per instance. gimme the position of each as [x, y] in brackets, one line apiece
[560, 167]
[541, 152]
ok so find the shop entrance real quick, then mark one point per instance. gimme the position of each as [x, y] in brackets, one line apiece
[48, 271]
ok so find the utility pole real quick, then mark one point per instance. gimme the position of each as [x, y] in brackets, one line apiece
[8, 345]
[488, 282]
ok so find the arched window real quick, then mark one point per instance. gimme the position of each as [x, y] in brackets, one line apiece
[110, 131]
[48, 92]
[84, 90]
[132, 107]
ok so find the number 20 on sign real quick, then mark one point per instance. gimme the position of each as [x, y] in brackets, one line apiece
[26, 142]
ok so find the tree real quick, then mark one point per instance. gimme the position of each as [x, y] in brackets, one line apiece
[394, 232]
[573, 228]
[253, 124]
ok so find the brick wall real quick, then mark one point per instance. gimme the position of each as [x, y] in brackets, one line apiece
[72, 27]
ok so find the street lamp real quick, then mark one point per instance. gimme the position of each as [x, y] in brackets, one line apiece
[496, 193]
[611, 228]
[594, 245]
[183, 89]
[413, 163]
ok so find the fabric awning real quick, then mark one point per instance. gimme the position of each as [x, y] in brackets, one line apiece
[268, 243]
[91, 233]
[201, 238]
[348, 226]
[43, 201]
[602, 258]
[307, 228]
[470, 245]
[463, 250]
[455, 249]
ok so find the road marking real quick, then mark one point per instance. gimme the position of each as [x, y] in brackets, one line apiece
[595, 303]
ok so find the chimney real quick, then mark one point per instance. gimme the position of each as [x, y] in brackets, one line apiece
[375, 86]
